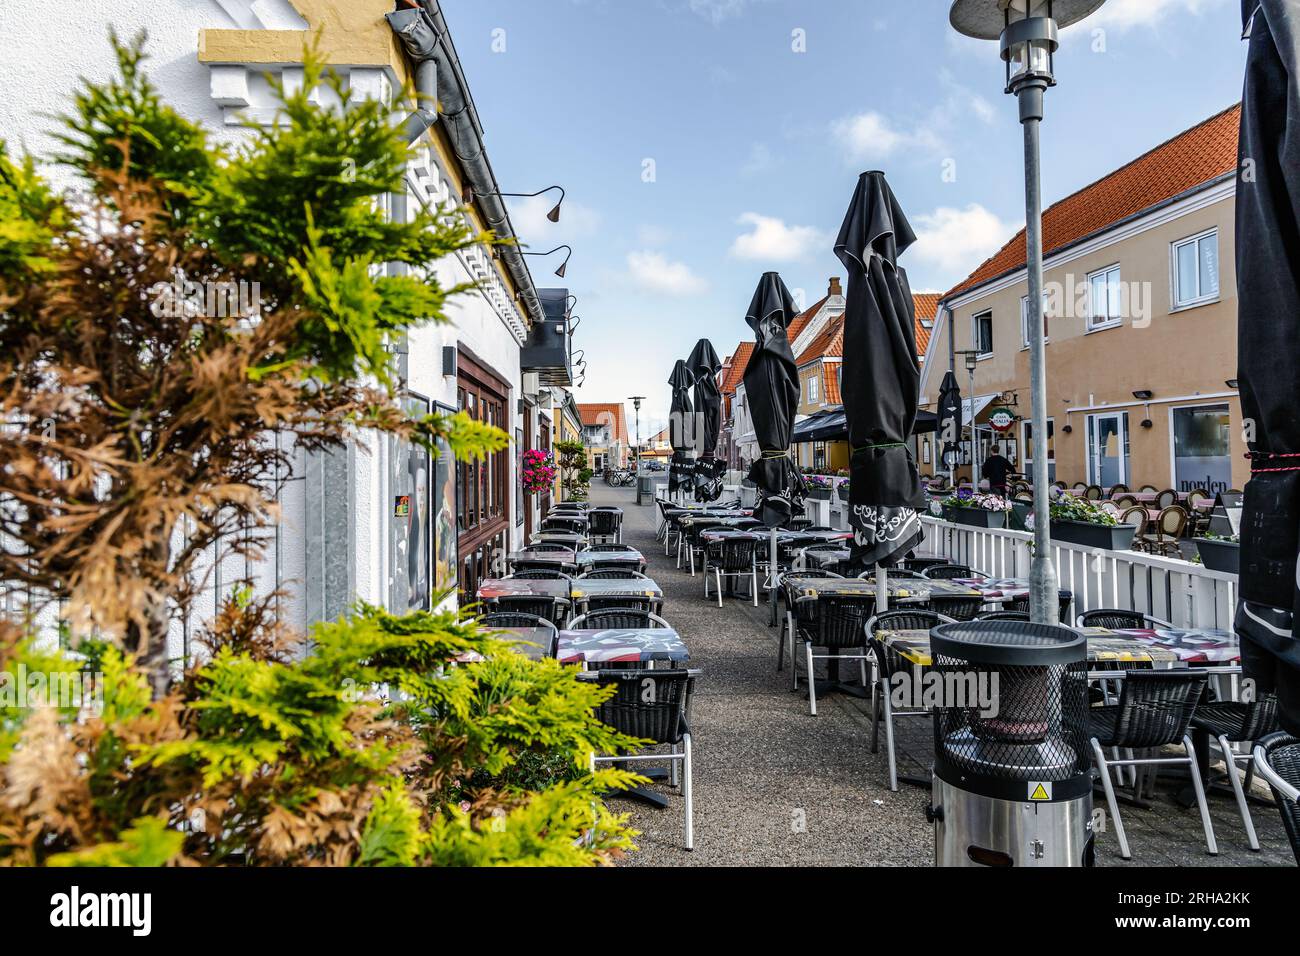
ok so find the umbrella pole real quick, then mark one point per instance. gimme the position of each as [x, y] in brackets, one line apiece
[773, 578]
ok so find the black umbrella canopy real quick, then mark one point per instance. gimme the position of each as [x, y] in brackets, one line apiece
[680, 428]
[704, 367]
[1268, 315]
[881, 376]
[949, 423]
[772, 391]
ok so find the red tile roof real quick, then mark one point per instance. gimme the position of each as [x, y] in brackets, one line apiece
[599, 413]
[1201, 154]
[736, 371]
[927, 306]
[828, 344]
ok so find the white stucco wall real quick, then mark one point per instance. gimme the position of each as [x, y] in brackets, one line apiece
[39, 71]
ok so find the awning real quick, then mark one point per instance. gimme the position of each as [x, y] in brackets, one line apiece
[982, 402]
[926, 422]
[829, 424]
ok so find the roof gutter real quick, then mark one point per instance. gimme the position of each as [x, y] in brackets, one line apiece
[440, 81]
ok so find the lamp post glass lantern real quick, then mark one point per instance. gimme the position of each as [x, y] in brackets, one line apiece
[1027, 32]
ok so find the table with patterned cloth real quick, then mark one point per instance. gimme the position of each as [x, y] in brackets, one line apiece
[1004, 590]
[567, 538]
[633, 645]
[630, 557]
[560, 559]
[492, 588]
[584, 588]
[898, 589]
[532, 642]
[577, 590]
[730, 534]
[687, 522]
[1165, 647]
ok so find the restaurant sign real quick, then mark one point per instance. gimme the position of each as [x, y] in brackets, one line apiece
[1002, 419]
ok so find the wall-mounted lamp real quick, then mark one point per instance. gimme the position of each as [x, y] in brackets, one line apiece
[553, 215]
[1144, 394]
[563, 265]
[1231, 383]
[449, 360]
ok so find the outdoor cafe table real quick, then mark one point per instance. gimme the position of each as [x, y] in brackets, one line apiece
[574, 541]
[633, 559]
[1005, 590]
[532, 642]
[645, 645]
[559, 559]
[574, 590]
[898, 589]
[1162, 648]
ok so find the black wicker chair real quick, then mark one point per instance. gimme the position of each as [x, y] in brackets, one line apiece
[947, 572]
[611, 548]
[1155, 710]
[959, 607]
[799, 524]
[729, 559]
[894, 574]
[1064, 604]
[888, 664]
[1277, 760]
[548, 547]
[841, 627]
[616, 619]
[1231, 722]
[552, 609]
[524, 566]
[1002, 616]
[692, 542]
[613, 574]
[822, 549]
[542, 574]
[808, 610]
[1117, 619]
[652, 705]
[574, 525]
[495, 619]
[604, 525]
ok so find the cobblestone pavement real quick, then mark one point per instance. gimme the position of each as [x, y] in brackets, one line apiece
[775, 786]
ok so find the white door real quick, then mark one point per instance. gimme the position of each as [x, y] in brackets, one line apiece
[1108, 449]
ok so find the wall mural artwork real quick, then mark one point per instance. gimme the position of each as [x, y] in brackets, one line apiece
[444, 514]
[410, 534]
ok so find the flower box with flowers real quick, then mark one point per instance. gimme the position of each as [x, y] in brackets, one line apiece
[842, 490]
[819, 487]
[1220, 553]
[538, 471]
[976, 509]
[1087, 523]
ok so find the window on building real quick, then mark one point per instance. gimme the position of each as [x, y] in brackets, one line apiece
[982, 333]
[1105, 299]
[813, 388]
[1196, 269]
[1202, 448]
[482, 487]
[1027, 443]
[1024, 319]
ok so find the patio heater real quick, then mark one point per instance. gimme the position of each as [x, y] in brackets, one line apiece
[1012, 771]
[1027, 30]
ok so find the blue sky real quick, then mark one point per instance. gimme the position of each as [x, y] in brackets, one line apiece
[703, 142]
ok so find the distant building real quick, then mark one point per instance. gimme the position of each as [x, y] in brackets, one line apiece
[1141, 313]
[604, 432]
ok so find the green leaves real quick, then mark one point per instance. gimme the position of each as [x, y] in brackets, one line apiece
[147, 843]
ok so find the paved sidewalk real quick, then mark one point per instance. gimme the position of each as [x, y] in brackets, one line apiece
[775, 786]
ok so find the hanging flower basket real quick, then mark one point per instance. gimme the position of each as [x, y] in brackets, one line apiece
[539, 471]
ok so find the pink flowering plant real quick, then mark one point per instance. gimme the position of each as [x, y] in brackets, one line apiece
[539, 471]
[976, 500]
[817, 481]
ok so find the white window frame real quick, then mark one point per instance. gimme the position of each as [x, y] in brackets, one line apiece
[974, 333]
[1110, 321]
[813, 389]
[1201, 299]
[1026, 464]
[1024, 322]
[1094, 476]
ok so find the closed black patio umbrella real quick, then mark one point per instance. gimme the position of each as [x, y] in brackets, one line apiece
[1268, 310]
[680, 429]
[772, 391]
[881, 378]
[704, 367]
[949, 424]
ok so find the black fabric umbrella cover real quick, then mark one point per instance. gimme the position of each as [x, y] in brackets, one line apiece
[881, 377]
[948, 424]
[1268, 311]
[680, 429]
[772, 391]
[704, 367]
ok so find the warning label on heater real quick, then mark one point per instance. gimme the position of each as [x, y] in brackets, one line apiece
[1040, 791]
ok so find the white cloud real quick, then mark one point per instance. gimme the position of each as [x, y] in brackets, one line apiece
[717, 10]
[957, 241]
[528, 215]
[868, 137]
[772, 240]
[1125, 14]
[652, 235]
[655, 272]
[760, 160]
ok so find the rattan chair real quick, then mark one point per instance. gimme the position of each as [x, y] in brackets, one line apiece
[1154, 711]
[613, 574]
[887, 664]
[1021, 606]
[694, 543]
[956, 606]
[821, 549]
[808, 610]
[549, 608]
[1136, 516]
[604, 525]
[1118, 489]
[523, 566]
[494, 619]
[840, 627]
[1148, 489]
[1093, 493]
[1002, 616]
[548, 547]
[799, 524]
[573, 525]
[1167, 529]
[947, 572]
[612, 548]
[1166, 499]
[1277, 761]
[1118, 619]
[616, 619]
[894, 574]
[1231, 722]
[541, 574]
[1125, 502]
[653, 705]
[732, 558]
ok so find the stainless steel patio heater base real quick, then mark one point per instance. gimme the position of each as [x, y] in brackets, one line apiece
[971, 829]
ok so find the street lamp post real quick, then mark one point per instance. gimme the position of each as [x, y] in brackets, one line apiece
[636, 454]
[1027, 30]
[972, 357]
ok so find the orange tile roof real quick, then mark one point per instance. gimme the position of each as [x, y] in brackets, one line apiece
[802, 319]
[736, 371]
[828, 344]
[1201, 154]
[592, 414]
[927, 306]
[831, 380]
